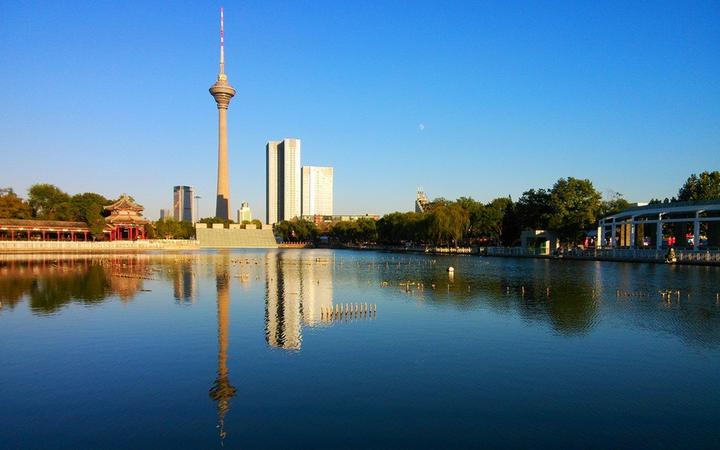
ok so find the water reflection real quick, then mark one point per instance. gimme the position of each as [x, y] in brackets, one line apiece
[50, 284]
[184, 282]
[222, 390]
[296, 290]
[571, 298]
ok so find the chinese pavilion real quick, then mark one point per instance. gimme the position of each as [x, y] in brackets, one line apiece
[125, 221]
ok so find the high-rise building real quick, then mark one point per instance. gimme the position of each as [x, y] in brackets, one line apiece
[271, 182]
[283, 180]
[244, 214]
[165, 214]
[289, 179]
[222, 92]
[317, 191]
[183, 203]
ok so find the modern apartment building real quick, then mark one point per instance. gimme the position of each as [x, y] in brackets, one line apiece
[317, 191]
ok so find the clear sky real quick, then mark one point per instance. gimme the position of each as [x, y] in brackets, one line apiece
[462, 98]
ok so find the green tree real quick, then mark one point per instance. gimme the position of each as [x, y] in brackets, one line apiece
[706, 186]
[296, 230]
[88, 208]
[491, 220]
[12, 206]
[447, 224]
[613, 205]
[170, 228]
[575, 204]
[475, 215]
[345, 231]
[366, 230]
[49, 202]
[511, 227]
[533, 209]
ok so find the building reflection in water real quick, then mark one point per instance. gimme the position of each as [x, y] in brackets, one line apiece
[296, 290]
[184, 283]
[222, 391]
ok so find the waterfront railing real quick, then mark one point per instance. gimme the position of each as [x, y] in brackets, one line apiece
[616, 254]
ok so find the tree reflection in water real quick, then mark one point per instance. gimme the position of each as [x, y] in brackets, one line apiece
[50, 284]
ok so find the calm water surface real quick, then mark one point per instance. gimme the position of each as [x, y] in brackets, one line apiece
[201, 350]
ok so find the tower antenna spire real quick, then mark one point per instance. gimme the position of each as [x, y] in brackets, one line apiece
[222, 92]
[222, 41]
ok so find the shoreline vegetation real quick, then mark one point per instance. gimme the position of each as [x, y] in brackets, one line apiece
[569, 208]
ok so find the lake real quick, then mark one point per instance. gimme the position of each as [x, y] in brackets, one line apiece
[237, 349]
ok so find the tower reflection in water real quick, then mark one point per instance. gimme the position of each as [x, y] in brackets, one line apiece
[296, 290]
[222, 391]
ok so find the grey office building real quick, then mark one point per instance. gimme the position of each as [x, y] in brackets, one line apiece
[183, 203]
[283, 188]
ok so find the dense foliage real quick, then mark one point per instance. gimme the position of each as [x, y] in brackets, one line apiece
[170, 228]
[705, 186]
[48, 202]
[296, 230]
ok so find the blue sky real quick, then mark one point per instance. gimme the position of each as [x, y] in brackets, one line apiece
[112, 97]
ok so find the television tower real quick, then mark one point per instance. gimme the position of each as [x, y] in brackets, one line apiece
[222, 92]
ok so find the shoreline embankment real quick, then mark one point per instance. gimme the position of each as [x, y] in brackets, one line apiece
[683, 257]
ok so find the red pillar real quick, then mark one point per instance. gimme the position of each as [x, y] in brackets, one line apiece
[72, 236]
[58, 235]
[12, 235]
[85, 235]
[43, 235]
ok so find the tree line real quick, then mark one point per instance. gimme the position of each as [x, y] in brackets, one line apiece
[48, 202]
[569, 208]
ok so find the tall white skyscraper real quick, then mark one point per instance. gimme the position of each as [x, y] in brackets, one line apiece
[271, 182]
[283, 178]
[317, 191]
[289, 179]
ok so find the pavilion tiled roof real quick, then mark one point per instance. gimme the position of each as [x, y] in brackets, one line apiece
[124, 203]
[125, 212]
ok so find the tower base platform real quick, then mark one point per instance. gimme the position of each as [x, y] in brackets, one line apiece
[233, 237]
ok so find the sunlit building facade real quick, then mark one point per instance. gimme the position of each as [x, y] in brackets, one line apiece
[317, 191]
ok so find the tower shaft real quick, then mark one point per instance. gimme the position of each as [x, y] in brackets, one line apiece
[222, 92]
[222, 208]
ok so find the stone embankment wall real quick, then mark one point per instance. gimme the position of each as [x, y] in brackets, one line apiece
[104, 246]
[234, 237]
